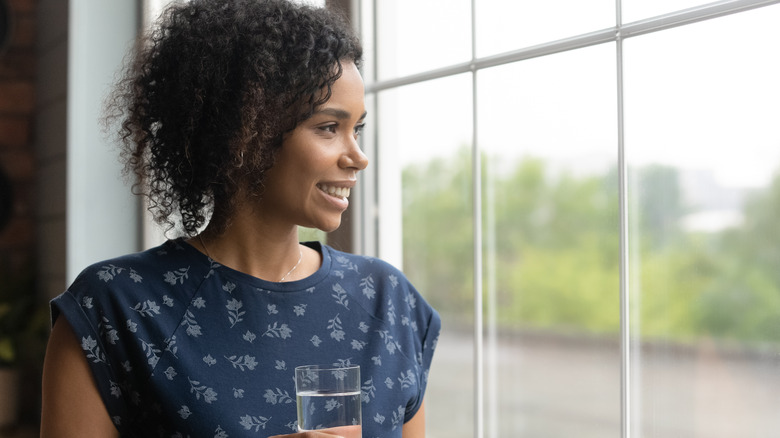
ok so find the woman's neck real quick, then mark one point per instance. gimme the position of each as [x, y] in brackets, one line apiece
[248, 246]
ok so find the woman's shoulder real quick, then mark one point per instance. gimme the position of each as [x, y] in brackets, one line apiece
[380, 287]
[154, 286]
[169, 263]
[363, 265]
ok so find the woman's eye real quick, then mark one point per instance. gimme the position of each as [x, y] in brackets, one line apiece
[359, 129]
[329, 128]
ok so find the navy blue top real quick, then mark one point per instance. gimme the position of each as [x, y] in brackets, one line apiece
[182, 346]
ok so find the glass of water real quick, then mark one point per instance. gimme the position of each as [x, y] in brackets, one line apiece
[329, 398]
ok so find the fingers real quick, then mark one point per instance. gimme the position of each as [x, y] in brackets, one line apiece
[308, 435]
[333, 432]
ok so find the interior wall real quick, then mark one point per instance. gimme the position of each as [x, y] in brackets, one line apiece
[50, 143]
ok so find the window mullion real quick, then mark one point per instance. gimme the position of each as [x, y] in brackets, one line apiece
[625, 335]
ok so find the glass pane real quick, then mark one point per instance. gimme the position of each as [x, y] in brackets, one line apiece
[509, 25]
[312, 234]
[366, 28]
[419, 35]
[547, 131]
[703, 143]
[635, 10]
[424, 142]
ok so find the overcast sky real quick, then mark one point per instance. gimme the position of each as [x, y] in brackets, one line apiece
[703, 96]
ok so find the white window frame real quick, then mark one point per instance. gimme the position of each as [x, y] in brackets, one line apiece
[370, 226]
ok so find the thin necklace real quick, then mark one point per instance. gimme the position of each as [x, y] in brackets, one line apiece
[203, 244]
[300, 257]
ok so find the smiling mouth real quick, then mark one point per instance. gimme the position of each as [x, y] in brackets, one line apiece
[338, 192]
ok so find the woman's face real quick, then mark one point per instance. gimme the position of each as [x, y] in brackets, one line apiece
[318, 162]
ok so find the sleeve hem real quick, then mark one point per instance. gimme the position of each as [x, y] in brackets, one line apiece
[66, 305]
[434, 328]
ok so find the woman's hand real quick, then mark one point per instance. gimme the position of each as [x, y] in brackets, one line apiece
[306, 435]
[333, 432]
[414, 428]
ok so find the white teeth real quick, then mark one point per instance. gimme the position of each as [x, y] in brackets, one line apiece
[341, 192]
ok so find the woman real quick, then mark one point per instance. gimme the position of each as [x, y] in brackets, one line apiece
[241, 117]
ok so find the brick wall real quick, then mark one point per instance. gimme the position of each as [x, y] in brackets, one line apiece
[17, 157]
[18, 68]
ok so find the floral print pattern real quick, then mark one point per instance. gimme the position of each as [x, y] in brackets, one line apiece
[182, 346]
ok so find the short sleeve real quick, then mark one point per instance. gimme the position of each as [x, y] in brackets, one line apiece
[428, 340]
[99, 358]
[123, 311]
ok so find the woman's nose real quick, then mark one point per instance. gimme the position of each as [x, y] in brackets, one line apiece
[354, 157]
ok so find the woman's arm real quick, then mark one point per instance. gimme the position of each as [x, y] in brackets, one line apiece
[415, 428]
[71, 406]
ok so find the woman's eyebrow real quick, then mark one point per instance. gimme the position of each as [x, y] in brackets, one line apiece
[339, 113]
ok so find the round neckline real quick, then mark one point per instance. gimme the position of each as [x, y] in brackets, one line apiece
[259, 283]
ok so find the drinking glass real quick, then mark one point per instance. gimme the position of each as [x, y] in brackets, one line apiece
[329, 398]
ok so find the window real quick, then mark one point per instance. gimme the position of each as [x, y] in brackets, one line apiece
[588, 193]
[704, 183]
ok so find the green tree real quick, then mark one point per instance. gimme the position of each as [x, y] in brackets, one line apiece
[557, 249]
[744, 302]
[552, 246]
[659, 204]
[438, 231]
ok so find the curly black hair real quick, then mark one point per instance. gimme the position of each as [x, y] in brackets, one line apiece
[208, 95]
